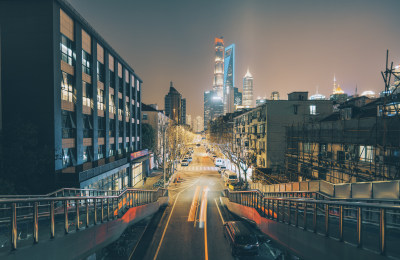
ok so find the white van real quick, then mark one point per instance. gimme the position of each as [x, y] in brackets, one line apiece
[219, 162]
[230, 176]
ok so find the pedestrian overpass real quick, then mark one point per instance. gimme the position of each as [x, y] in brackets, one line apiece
[71, 223]
[316, 225]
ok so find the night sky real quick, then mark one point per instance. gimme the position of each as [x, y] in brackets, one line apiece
[288, 45]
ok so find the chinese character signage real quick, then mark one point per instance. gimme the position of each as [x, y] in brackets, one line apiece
[139, 154]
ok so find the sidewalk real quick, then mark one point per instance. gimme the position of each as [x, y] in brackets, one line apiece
[153, 178]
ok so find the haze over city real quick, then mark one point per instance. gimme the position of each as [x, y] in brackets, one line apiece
[287, 45]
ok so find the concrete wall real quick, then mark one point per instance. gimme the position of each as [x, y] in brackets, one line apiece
[305, 244]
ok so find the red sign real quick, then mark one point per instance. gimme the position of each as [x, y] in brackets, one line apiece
[139, 154]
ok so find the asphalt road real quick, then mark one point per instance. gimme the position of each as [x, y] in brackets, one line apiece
[180, 237]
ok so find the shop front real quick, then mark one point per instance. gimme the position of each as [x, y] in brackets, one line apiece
[139, 166]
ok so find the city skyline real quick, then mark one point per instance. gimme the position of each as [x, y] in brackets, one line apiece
[316, 39]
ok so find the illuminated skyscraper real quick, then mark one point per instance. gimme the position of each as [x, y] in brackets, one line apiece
[248, 90]
[218, 83]
[229, 79]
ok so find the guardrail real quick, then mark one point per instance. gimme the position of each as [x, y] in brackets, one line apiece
[357, 190]
[68, 192]
[361, 224]
[24, 221]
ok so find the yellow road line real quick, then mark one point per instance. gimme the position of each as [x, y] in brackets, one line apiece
[166, 226]
[205, 228]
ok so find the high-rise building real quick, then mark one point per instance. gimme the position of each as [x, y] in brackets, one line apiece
[83, 99]
[237, 97]
[213, 107]
[229, 78]
[183, 111]
[248, 90]
[175, 105]
[218, 83]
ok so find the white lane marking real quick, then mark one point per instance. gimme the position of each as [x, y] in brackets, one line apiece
[223, 221]
[166, 226]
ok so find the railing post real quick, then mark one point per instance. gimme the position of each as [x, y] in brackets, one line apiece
[108, 209]
[305, 216]
[102, 210]
[341, 222]
[35, 223]
[77, 214]
[52, 224]
[326, 220]
[315, 217]
[296, 215]
[66, 224]
[87, 213]
[14, 234]
[112, 208]
[382, 231]
[277, 210]
[95, 211]
[359, 227]
[289, 213]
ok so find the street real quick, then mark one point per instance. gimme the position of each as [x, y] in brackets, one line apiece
[181, 233]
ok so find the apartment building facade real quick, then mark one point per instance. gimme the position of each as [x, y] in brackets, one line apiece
[261, 131]
[80, 94]
[359, 142]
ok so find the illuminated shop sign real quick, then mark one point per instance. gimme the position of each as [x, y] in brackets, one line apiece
[139, 154]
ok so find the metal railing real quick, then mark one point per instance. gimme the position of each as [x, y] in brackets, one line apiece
[366, 225]
[69, 192]
[26, 221]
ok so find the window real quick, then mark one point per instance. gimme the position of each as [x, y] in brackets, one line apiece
[100, 152]
[101, 126]
[127, 112]
[144, 116]
[111, 104]
[100, 99]
[111, 151]
[366, 153]
[112, 128]
[313, 109]
[120, 107]
[67, 53]
[68, 157]
[87, 93]
[120, 85]
[87, 126]
[295, 109]
[86, 62]
[87, 154]
[120, 128]
[68, 92]
[100, 71]
[112, 79]
[68, 124]
[306, 147]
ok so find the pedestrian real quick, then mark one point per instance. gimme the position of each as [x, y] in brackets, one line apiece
[144, 180]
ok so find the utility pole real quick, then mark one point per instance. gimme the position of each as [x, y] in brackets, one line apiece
[164, 147]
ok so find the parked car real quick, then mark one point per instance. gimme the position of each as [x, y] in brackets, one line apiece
[190, 159]
[241, 238]
[184, 163]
